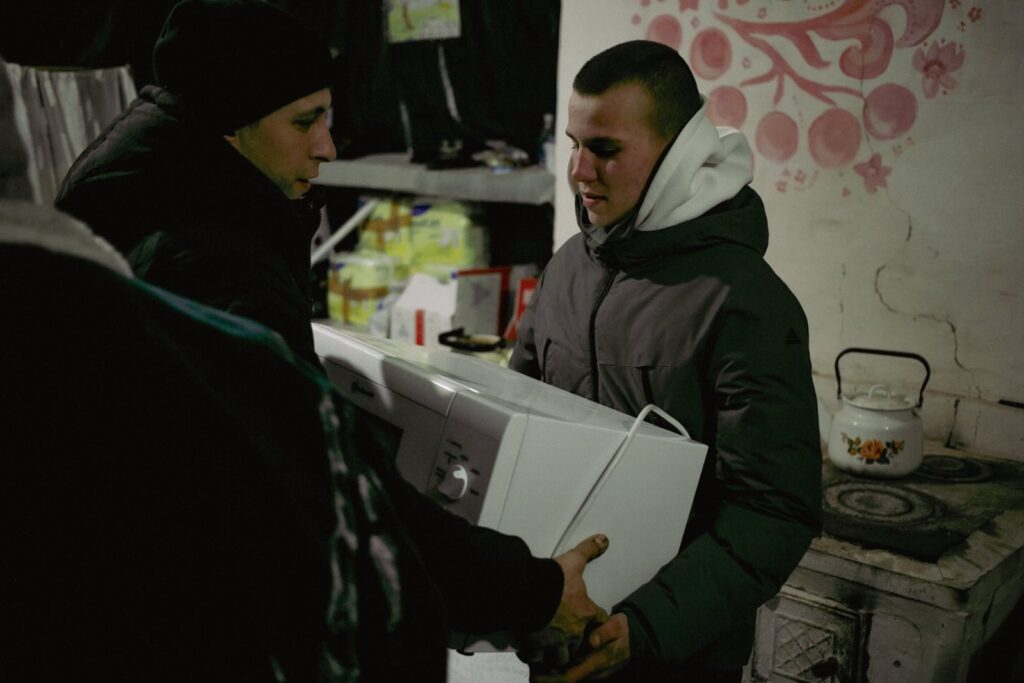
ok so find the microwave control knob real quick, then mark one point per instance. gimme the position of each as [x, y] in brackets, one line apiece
[455, 483]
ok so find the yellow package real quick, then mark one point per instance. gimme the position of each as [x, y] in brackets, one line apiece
[444, 232]
[357, 285]
[387, 231]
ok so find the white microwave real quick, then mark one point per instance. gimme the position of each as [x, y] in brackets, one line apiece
[525, 458]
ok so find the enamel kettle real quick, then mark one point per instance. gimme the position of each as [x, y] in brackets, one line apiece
[877, 433]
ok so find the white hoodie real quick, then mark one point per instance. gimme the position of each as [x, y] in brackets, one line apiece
[22, 222]
[704, 167]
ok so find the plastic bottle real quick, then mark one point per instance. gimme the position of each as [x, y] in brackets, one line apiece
[546, 148]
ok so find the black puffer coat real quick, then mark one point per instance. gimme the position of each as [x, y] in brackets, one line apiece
[195, 217]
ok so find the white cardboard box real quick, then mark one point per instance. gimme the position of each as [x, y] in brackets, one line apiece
[423, 311]
[473, 300]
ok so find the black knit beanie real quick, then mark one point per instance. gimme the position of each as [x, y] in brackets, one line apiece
[231, 62]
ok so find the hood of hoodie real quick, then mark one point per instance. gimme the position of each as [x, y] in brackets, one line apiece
[697, 193]
[44, 227]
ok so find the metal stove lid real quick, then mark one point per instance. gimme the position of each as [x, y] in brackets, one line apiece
[949, 468]
[881, 503]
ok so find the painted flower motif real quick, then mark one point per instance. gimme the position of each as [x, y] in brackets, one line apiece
[872, 449]
[873, 172]
[974, 14]
[954, 3]
[689, 4]
[936, 63]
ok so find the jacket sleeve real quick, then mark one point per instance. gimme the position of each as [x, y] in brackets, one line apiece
[763, 413]
[488, 581]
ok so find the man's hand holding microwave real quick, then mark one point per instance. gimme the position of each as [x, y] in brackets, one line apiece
[559, 643]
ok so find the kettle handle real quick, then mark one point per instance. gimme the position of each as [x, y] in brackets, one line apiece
[883, 352]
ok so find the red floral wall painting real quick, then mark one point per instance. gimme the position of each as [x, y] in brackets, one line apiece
[819, 85]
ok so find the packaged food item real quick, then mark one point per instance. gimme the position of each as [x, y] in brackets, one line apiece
[442, 272]
[471, 300]
[357, 286]
[423, 311]
[387, 231]
[444, 233]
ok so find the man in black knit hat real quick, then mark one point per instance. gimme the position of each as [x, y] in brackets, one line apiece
[203, 183]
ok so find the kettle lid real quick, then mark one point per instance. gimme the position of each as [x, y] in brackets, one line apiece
[880, 397]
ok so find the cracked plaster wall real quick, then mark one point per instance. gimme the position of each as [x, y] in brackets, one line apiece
[932, 261]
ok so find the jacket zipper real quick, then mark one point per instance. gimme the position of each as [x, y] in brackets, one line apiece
[653, 418]
[544, 362]
[645, 380]
[605, 286]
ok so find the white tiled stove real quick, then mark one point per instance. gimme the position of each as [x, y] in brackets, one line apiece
[909, 579]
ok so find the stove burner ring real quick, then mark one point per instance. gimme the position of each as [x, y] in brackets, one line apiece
[953, 469]
[880, 503]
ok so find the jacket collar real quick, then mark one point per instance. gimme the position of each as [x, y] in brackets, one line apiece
[241, 185]
[739, 220]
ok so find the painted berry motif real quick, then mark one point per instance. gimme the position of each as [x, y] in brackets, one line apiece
[829, 85]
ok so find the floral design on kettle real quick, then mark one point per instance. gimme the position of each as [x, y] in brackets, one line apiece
[872, 451]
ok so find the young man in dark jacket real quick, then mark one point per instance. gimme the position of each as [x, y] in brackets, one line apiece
[664, 297]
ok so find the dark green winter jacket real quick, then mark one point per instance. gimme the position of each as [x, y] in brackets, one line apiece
[686, 314]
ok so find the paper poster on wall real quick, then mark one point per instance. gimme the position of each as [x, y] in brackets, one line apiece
[423, 20]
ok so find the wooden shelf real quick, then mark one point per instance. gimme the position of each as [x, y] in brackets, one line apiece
[395, 173]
